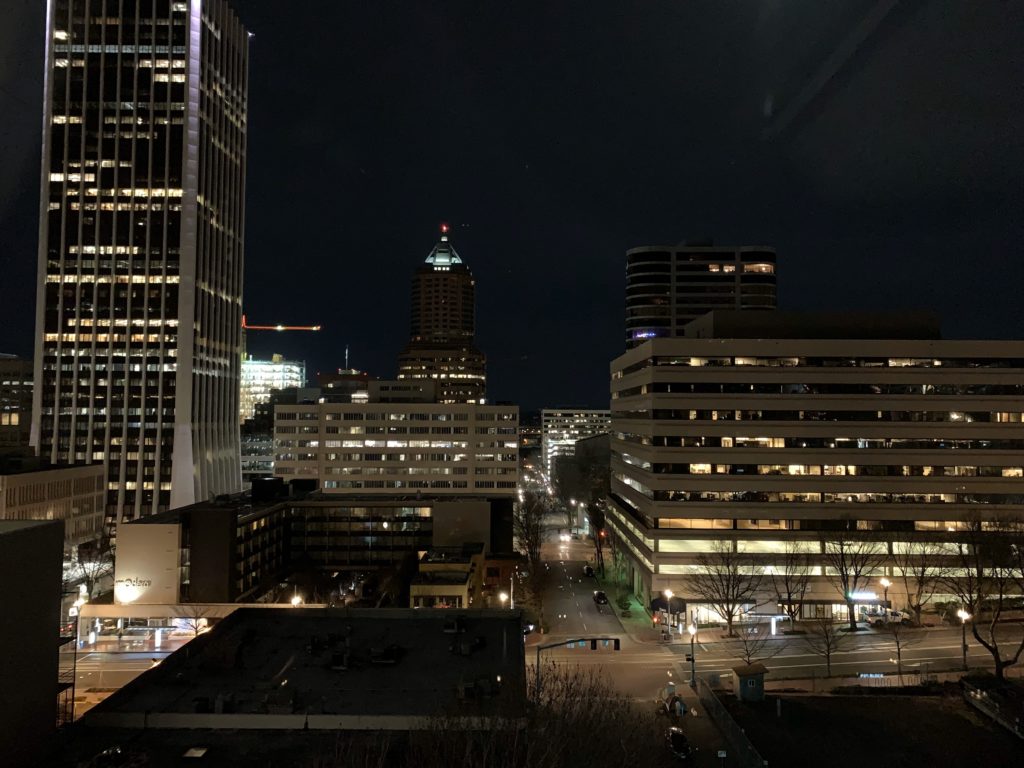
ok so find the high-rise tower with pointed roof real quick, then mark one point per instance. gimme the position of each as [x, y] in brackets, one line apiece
[441, 345]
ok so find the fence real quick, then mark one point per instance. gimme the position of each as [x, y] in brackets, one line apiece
[1006, 711]
[746, 754]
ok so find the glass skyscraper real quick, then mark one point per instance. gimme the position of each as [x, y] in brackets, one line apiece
[138, 327]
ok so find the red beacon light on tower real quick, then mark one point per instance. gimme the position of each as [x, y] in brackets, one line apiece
[444, 227]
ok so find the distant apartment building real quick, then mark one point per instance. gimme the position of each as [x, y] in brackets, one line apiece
[768, 433]
[76, 496]
[15, 403]
[138, 305]
[260, 377]
[562, 427]
[668, 286]
[388, 448]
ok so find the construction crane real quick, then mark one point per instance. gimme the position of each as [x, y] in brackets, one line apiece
[247, 327]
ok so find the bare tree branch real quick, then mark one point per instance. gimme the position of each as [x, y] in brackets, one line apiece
[988, 577]
[528, 526]
[726, 580]
[824, 638]
[792, 579]
[755, 644]
[850, 564]
[920, 569]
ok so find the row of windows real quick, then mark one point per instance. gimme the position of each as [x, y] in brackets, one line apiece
[839, 443]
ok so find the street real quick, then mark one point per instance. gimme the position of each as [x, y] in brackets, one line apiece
[644, 665]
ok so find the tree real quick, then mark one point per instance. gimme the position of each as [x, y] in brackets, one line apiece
[824, 638]
[194, 616]
[902, 637]
[755, 645]
[535, 585]
[596, 516]
[726, 580]
[916, 562]
[988, 580]
[850, 565]
[578, 719]
[528, 527]
[95, 561]
[794, 580]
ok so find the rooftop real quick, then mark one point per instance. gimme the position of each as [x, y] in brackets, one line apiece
[332, 663]
[778, 324]
[443, 255]
[454, 554]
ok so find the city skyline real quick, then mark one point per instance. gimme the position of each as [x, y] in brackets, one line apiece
[547, 179]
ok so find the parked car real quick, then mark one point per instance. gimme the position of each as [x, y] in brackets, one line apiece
[678, 744]
[600, 597]
[588, 570]
[879, 618]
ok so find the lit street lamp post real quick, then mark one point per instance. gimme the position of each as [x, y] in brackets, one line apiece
[885, 590]
[963, 616]
[692, 629]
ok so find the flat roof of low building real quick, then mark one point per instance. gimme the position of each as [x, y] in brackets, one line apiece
[341, 664]
[463, 553]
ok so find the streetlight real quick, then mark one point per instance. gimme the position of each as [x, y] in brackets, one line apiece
[885, 590]
[692, 629]
[963, 616]
[296, 600]
[504, 598]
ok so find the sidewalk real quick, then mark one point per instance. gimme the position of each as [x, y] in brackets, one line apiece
[638, 624]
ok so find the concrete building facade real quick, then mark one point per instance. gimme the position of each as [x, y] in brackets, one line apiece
[138, 324]
[30, 566]
[768, 436]
[375, 448]
[76, 496]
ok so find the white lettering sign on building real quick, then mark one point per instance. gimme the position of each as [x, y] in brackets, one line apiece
[146, 567]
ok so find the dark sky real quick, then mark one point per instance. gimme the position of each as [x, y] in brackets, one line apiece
[880, 151]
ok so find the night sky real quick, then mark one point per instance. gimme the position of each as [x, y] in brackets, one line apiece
[883, 161]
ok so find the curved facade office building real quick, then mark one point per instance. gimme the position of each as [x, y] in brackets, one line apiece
[668, 286]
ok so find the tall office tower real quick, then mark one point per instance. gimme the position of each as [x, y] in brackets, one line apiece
[138, 318]
[668, 286]
[441, 345]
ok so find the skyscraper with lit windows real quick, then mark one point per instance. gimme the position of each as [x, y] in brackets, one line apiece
[441, 345]
[138, 325]
[668, 286]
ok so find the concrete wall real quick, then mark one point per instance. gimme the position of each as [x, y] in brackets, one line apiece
[30, 570]
[146, 569]
[456, 522]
